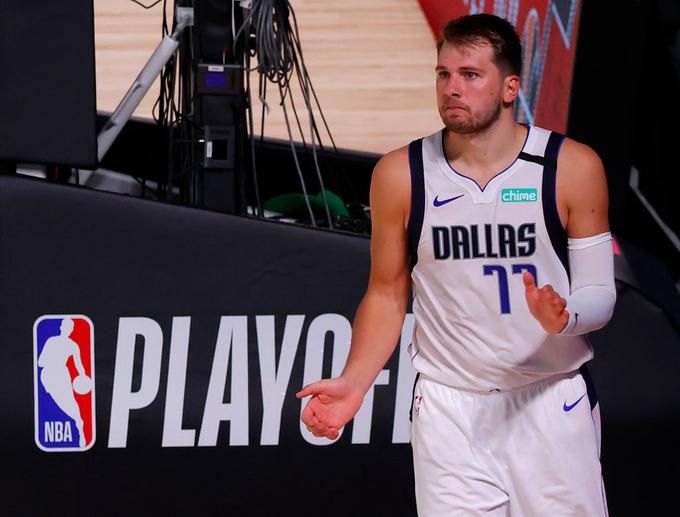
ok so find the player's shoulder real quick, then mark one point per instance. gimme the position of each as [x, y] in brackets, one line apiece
[392, 173]
[571, 151]
[581, 178]
[399, 159]
[575, 151]
[578, 161]
[392, 170]
[396, 161]
[391, 183]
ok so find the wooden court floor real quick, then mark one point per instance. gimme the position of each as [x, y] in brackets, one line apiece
[371, 63]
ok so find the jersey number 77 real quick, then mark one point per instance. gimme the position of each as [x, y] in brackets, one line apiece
[503, 288]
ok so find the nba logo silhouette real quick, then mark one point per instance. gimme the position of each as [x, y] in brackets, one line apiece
[63, 366]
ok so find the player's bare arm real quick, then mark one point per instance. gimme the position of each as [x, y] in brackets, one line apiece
[380, 316]
[582, 201]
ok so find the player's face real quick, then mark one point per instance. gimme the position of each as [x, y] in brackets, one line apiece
[470, 88]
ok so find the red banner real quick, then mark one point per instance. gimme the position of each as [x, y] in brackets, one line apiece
[548, 30]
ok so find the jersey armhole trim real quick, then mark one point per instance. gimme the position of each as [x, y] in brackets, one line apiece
[532, 158]
[557, 234]
[415, 220]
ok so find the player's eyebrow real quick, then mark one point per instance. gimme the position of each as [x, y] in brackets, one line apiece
[469, 68]
[463, 68]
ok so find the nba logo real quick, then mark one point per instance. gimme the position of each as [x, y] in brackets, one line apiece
[63, 378]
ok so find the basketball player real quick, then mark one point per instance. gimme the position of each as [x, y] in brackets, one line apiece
[501, 232]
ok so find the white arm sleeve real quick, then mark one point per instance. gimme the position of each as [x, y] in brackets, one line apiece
[593, 293]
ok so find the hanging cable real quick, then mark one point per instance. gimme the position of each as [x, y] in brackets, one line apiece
[295, 158]
[279, 56]
[251, 129]
[304, 69]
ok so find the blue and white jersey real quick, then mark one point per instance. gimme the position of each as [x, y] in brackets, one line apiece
[469, 247]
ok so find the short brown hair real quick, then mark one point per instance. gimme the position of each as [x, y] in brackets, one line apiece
[497, 32]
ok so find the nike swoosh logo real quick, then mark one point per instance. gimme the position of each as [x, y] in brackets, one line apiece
[436, 201]
[569, 408]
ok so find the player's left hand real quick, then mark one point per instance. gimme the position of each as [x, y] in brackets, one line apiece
[546, 305]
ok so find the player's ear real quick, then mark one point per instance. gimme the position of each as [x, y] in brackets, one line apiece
[510, 88]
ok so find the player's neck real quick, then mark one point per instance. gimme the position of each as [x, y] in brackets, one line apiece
[486, 150]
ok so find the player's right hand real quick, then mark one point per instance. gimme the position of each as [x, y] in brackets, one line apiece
[334, 402]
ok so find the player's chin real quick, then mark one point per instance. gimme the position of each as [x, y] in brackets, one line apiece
[460, 125]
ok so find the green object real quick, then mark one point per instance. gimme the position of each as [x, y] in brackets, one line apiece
[294, 204]
[519, 195]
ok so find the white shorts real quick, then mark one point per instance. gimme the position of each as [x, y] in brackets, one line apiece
[528, 452]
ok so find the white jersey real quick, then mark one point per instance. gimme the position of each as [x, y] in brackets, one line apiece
[469, 247]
